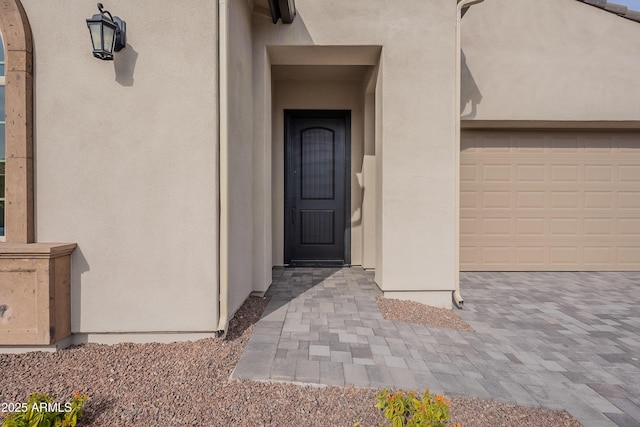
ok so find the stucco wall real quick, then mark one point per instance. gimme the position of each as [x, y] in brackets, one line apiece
[125, 162]
[240, 165]
[262, 180]
[416, 218]
[549, 60]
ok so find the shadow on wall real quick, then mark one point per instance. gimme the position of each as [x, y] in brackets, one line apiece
[124, 65]
[79, 265]
[470, 95]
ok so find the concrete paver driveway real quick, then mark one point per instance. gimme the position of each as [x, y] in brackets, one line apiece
[557, 340]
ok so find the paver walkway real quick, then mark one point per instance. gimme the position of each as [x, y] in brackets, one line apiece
[557, 340]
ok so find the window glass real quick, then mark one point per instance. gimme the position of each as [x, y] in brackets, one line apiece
[2, 136]
[2, 106]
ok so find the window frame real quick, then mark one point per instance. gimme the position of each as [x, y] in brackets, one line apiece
[18, 79]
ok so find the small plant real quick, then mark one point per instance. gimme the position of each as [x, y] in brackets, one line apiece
[410, 409]
[41, 411]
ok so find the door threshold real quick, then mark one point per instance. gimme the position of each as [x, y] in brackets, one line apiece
[317, 263]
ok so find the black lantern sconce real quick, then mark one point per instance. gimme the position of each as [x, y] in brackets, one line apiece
[108, 34]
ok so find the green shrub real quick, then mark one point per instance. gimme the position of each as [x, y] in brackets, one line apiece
[410, 409]
[41, 411]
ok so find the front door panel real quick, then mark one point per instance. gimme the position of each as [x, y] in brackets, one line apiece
[316, 190]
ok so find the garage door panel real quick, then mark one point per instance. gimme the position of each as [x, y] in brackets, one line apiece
[562, 255]
[563, 144]
[627, 145]
[596, 146]
[496, 199]
[496, 227]
[565, 200]
[496, 255]
[629, 226]
[545, 200]
[629, 173]
[599, 227]
[629, 256]
[530, 255]
[530, 227]
[468, 199]
[530, 173]
[563, 227]
[598, 255]
[468, 227]
[468, 173]
[530, 146]
[500, 144]
[565, 173]
[496, 173]
[468, 255]
[531, 200]
[599, 200]
[629, 200]
[598, 173]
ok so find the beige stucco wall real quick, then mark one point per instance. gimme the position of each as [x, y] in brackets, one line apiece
[262, 181]
[549, 60]
[367, 179]
[416, 155]
[125, 162]
[240, 160]
[379, 265]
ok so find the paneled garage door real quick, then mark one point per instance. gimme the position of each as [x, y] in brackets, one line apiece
[533, 200]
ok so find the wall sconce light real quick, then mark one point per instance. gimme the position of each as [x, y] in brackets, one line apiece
[108, 34]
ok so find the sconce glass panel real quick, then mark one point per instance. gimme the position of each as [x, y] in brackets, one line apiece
[96, 35]
[108, 38]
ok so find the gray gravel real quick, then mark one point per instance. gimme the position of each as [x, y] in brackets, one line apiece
[187, 384]
[421, 314]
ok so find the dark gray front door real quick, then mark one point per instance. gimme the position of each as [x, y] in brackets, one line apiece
[317, 187]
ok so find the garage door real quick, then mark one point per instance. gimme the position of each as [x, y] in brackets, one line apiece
[535, 201]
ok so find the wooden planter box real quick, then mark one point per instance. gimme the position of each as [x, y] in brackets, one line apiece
[35, 306]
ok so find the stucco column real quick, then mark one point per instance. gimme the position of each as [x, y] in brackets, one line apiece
[418, 170]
